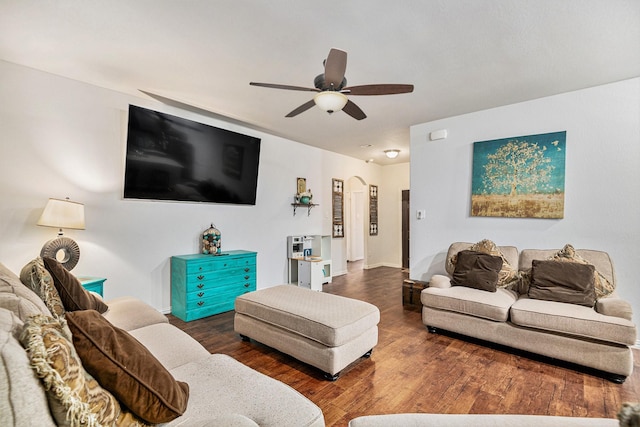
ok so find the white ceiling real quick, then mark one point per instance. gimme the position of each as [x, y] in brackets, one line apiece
[461, 55]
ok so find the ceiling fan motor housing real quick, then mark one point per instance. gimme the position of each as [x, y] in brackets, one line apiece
[319, 83]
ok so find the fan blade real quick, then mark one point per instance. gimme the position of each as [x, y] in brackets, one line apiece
[334, 68]
[382, 89]
[287, 87]
[301, 109]
[354, 111]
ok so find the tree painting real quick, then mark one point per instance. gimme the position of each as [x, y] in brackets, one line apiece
[520, 177]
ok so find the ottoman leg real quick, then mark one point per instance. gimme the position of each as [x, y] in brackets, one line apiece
[329, 377]
[245, 338]
[368, 354]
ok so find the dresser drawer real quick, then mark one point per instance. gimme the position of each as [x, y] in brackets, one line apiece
[209, 279]
[210, 299]
[218, 263]
[235, 288]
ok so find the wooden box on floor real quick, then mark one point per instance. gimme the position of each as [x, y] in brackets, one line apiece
[411, 290]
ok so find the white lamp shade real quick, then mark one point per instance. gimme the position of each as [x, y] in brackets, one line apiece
[330, 101]
[63, 214]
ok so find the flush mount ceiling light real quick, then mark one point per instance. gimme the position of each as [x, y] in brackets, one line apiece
[330, 101]
[392, 154]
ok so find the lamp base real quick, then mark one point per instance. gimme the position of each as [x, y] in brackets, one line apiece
[69, 248]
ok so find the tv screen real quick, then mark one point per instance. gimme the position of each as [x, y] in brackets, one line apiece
[171, 158]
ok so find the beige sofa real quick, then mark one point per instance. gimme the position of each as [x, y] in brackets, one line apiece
[479, 420]
[222, 391]
[598, 338]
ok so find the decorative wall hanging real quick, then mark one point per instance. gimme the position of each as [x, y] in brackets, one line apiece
[520, 177]
[373, 210]
[337, 192]
[211, 241]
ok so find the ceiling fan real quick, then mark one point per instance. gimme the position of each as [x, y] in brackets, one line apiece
[332, 89]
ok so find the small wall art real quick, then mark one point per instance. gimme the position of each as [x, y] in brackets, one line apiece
[337, 193]
[519, 177]
[373, 210]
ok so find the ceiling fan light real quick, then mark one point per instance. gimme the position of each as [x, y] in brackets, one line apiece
[330, 101]
[392, 154]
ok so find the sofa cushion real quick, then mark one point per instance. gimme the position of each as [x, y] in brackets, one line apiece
[474, 302]
[120, 309]
[572, 319]
[23, 400]
[21, 307]
[221, 386]
[75, 398]
[11, 283]
[612, 305]
[563, 282]
[509, 254]
[162, 340]
[73, 295]
[126, 368]
[477, 270]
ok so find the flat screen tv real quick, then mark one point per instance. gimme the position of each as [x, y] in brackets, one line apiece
[171, 158]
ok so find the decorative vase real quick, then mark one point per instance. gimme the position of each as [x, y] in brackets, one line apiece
[305, 200]
[211, 241]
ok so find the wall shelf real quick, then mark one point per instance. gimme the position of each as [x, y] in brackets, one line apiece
[309, 206]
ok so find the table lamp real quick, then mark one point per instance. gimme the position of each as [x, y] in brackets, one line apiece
[62, 214]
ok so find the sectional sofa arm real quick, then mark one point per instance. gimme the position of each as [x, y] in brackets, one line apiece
[614, 306]
[440, 281]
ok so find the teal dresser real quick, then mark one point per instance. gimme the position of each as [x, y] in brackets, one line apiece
[93, 284]
[204, 285]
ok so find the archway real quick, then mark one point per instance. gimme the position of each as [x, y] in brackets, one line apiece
[356, 221]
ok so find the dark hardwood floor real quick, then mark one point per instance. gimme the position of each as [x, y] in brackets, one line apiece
[412, 370]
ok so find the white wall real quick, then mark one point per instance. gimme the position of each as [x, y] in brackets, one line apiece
[62, 138]
[602, 186]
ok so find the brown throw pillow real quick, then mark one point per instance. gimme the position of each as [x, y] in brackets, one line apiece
[568, 254]
[125, 367]
[73, 295]
[477, 270]
[568, 282]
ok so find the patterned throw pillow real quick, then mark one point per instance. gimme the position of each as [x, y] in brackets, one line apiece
[508, 275]
[568, 254]
[35, 276]
[75, 398]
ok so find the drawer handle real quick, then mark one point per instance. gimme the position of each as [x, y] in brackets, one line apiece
[200, 303]
[201, 285]
[200, 268]
[200, 277]
[225, 264]
[201, 294]
[246, 270]
[246, 285]
[246, 277]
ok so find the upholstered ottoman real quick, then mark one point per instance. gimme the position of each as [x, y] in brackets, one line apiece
[326, 331]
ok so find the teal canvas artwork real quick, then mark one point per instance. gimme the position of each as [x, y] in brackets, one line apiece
[519, 177]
